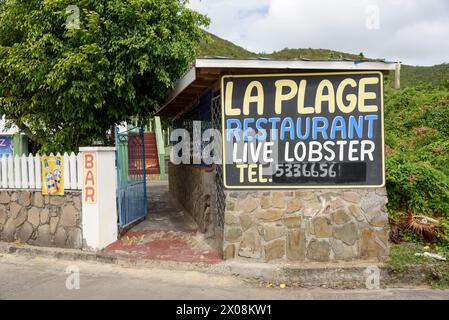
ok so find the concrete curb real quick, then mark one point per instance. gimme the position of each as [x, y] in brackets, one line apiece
[332, 275]
[90, 256]
[341, 275]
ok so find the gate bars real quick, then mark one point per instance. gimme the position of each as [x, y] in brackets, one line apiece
[132, 201]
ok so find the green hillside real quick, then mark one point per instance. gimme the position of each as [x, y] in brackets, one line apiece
[437, 75]
[411, 76]
[315, 54]
[215, 46]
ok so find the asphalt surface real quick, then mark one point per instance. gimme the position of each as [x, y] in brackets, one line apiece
[41, 278]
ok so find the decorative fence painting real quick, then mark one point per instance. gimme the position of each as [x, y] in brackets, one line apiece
[52, 176]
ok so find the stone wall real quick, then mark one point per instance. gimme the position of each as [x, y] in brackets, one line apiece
[192, 186]
[314, 225]
[29, 217]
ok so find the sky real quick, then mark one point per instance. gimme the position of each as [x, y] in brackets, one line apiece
[415, 32]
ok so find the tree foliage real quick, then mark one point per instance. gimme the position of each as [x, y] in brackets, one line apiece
[66, 87]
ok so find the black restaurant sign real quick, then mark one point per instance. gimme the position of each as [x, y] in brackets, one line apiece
[315, 130]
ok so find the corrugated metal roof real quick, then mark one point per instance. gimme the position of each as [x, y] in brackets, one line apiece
[296, 59]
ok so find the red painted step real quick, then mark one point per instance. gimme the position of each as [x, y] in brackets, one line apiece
[151, 156]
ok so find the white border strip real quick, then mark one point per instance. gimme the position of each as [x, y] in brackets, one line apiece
[295, 64]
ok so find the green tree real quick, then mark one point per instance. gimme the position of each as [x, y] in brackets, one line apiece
[67, 86]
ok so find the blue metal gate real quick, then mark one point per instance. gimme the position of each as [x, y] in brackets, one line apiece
[131, 176]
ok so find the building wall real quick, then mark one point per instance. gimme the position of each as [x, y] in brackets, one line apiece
[193, 186]
[29, 217]
[318, 225]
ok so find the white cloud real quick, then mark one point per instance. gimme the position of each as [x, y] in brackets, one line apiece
[413, 31]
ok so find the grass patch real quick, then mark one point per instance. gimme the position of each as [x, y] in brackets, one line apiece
[404, 267]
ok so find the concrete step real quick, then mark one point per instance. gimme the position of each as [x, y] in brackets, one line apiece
[153, 171]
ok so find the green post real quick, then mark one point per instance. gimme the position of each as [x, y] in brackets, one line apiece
[123, 162]
[20, 144]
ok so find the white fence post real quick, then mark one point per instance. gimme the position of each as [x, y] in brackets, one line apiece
[11, 172]
[17, 182]
[24, 171]
[79, 170]
[31, 176]
[4, 172]
[66, 171]
[37, 173]
[73, 175]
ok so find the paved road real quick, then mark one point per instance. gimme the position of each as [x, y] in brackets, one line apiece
[39, 278]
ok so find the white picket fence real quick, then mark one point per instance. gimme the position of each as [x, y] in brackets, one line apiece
[25, 172]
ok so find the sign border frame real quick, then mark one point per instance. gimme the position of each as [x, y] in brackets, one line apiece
[265, 75]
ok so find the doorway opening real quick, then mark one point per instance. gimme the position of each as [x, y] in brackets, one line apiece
[153, 224]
